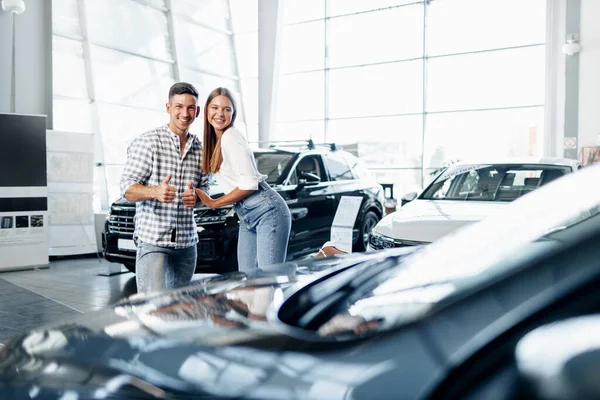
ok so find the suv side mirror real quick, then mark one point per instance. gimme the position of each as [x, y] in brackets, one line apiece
[308, 179]
[407, 198]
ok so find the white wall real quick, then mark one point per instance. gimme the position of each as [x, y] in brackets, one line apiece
[589, 74]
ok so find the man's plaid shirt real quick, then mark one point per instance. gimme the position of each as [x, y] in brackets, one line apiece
[151, 157]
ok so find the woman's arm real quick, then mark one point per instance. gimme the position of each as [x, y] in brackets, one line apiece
[230, 198]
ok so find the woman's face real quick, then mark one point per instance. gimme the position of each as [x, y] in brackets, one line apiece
[220, 112]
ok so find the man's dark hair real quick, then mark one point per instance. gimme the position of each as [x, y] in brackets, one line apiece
[182, 88]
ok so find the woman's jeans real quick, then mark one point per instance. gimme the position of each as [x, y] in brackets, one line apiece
[163, 267]
[265, 224]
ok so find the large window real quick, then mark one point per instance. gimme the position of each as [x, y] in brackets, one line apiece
[409, 84]
[244, 18]
[413, 85]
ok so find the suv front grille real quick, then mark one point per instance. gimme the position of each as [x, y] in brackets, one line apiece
[207, 249]
[206, 216]
[121, 220]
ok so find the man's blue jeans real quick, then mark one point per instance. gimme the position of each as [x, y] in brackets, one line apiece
[163, 267]
[265, 224]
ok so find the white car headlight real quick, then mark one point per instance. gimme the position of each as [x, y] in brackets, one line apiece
[377, 241]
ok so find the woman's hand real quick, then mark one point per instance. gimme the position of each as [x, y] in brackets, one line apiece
[328, 251]
[206, 199]
[230, 198]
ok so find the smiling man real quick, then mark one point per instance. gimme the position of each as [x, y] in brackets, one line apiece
[162, 170]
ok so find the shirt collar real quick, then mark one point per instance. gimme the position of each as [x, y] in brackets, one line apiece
[192, 139]
[173, 133]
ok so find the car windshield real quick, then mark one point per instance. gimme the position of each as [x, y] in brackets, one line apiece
[272, 164]
[470, 258]
[495, 182]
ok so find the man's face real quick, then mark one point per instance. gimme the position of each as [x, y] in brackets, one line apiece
[183, 110]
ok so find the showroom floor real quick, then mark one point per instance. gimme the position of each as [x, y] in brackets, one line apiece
[70, 286]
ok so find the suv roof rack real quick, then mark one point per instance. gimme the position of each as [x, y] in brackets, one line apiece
[310, 144]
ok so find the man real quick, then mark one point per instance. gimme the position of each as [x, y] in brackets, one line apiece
[162, 169]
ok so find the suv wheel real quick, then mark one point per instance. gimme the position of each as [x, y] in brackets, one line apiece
[368, 223]
[130, 267]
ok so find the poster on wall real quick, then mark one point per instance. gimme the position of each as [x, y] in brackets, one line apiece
[70, 193]
[23, 192]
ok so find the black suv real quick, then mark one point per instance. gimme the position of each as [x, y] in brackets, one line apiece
[312, 180]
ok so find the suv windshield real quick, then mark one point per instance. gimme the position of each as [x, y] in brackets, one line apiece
[498, 182]
[272, 164]
[464, 260]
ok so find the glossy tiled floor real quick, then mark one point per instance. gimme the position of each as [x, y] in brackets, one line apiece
[70, 286]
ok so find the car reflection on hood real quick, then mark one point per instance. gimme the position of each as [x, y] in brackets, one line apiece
[154, 344]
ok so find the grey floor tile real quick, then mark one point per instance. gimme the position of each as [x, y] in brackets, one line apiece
[7, 333]
[7, 318]
[69, 287]
[84, 308]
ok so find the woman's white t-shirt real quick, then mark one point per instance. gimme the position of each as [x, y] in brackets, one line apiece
[239, 166]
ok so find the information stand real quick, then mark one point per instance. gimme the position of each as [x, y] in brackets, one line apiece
[23, 192]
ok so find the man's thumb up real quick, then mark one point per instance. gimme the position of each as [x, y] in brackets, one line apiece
[167, 179]
[191, 186]
[165, 192]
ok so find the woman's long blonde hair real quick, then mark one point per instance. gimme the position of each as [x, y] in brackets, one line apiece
[212, 158]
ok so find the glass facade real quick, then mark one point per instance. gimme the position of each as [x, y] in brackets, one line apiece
[408, 85]
[413, 85]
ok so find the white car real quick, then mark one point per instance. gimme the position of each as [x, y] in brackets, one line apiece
[463, 193]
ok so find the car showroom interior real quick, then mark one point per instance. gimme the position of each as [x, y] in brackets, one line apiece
[299, 199]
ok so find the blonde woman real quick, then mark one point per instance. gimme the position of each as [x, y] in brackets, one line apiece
[265, 220]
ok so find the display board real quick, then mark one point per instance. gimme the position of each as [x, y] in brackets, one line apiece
[23, 192]
[70, 193]
[343, 222]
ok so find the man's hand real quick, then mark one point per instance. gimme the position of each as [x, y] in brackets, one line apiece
[206, 199]
[189, 196]
[165, 193]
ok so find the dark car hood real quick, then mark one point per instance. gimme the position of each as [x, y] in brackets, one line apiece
[146, 345]
[179, 340]
[87, 364]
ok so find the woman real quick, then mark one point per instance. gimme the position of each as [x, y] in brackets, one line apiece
[265, 220]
